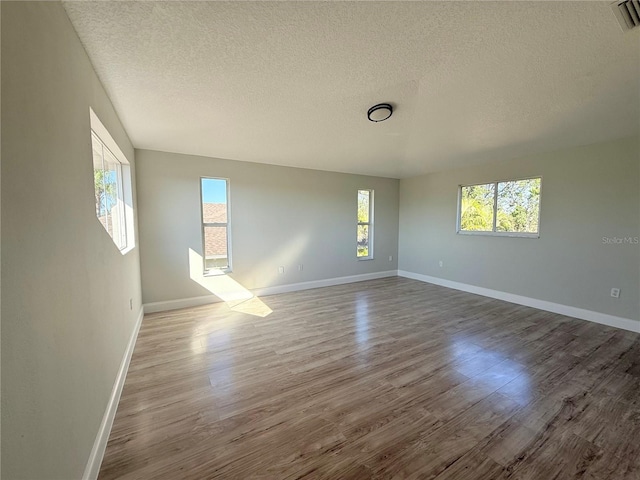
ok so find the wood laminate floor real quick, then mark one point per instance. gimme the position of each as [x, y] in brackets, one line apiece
[389, 378]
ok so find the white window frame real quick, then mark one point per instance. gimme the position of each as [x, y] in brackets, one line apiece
[494, 233]
[369, 223]
[124, 181]
[227, 225]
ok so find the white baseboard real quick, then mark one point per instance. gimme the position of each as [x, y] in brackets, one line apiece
[154, 307]
[99, 446]
[590, 315]
[329, 282]
[265, 291]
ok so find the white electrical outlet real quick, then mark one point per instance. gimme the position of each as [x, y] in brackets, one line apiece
[441, 263]
[615, 292]
[391, 258]
[300, 267]
[280, 269]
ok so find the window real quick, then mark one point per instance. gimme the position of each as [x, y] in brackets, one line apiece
[501, 208]
[364, 242]
[215, 225]
[112, 186]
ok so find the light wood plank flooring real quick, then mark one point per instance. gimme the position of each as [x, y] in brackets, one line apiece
[389, 378]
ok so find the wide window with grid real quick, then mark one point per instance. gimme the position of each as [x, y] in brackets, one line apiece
[509, 208]
[112, 187]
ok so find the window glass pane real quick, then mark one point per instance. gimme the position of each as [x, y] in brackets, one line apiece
[107, 180]
[113, 206]
[363, 206]
[215, 247]
[476, 208]
[215, 219]
[112, 187]
[518, 206]
[214, 200]
[363, 241]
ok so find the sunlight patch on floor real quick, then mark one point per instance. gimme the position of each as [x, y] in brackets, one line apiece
[237, 298]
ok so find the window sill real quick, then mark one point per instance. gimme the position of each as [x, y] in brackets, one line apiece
[126, 250]
[362, 259]
[217, 272]
[501, 234]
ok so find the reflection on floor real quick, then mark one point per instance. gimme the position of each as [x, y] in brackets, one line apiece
[389, 378]
[237, 297]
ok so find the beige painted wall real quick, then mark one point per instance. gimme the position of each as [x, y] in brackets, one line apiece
[588, 193]
[66, 318]
[280, 216]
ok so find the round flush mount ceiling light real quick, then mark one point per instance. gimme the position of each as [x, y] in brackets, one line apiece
[380, 112]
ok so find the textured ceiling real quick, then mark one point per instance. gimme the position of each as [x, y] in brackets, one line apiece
[289, 83]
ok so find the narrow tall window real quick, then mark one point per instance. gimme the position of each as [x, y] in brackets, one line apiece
[501, 208]
[364, 242]
[215, 225]
[112, 186]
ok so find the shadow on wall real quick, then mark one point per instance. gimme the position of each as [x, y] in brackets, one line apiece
[237, 298]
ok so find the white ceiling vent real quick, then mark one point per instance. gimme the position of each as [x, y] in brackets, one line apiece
[628, 13]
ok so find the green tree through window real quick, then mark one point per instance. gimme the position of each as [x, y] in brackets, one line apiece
[364, 243]
[107, 184]
[477, 208]
[502, 207]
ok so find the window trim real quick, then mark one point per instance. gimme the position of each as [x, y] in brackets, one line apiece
[494, 233]
[217, 271]
[124, 184]
[369, 223]
[119, 192]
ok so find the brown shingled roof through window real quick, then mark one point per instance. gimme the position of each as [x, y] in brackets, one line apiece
[214, 212]
[215, 238]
